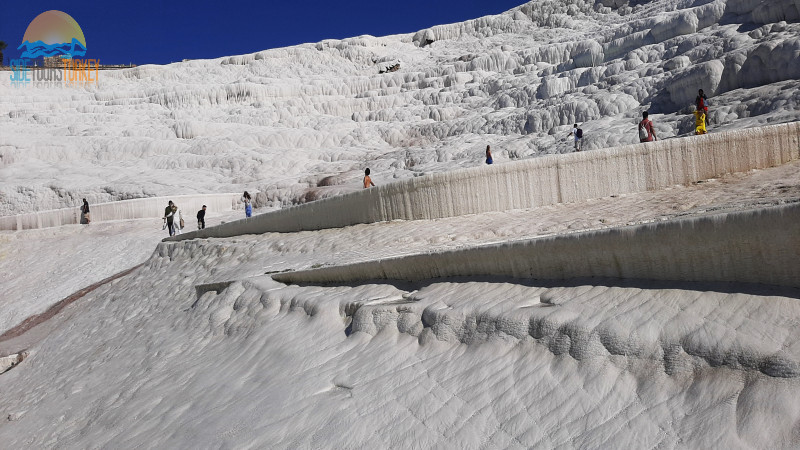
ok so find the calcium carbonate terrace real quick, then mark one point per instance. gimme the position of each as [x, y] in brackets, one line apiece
[628, 296]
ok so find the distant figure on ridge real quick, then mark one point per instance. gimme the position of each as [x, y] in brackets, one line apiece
[367, 180]
[489, 159]
[699, 122]
[201, 218]
[85, 219]
[701, 102]
[248, 206]
[646, 131]
[577, 133]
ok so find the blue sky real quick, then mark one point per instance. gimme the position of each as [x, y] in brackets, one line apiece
[166, 31]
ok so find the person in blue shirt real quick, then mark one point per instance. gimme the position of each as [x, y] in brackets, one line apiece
[248, 206]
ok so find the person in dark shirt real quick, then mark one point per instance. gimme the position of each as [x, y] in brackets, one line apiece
[85, 219]
[201, 218]
[169, 217]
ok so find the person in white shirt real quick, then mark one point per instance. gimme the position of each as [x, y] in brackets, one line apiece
[577, 133]
[177, 221]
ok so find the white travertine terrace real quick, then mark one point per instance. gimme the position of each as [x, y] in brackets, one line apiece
[536, 182]
[758, 246]
[141, 208]
[302, 123]
[199, 347]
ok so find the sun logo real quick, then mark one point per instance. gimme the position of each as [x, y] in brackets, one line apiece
[53, 33]
[57, 38]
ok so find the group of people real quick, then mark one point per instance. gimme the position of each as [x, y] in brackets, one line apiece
[647, 132]
[173, 216]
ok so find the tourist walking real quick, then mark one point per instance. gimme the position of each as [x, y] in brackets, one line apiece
[577, 134]
[489, 159]
[248, 205]
[201, 218]
[177, 220]
[169, 218]
[85, 219]
[647, 133]
[367, 180]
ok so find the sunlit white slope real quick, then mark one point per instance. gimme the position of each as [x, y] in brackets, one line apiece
[302, 122]
[199, 347]
[161, 358]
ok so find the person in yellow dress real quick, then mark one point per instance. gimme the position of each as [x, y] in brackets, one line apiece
[699, 122]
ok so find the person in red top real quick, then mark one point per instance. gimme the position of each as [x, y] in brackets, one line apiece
[701, 103]
[647, 133]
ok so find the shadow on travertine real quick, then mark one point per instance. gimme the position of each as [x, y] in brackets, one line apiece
[756, 246]
[750, 289]
[667, 323]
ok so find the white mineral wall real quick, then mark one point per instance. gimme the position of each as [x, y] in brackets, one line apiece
[757, 246]
[541, 181]
[140, 208]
